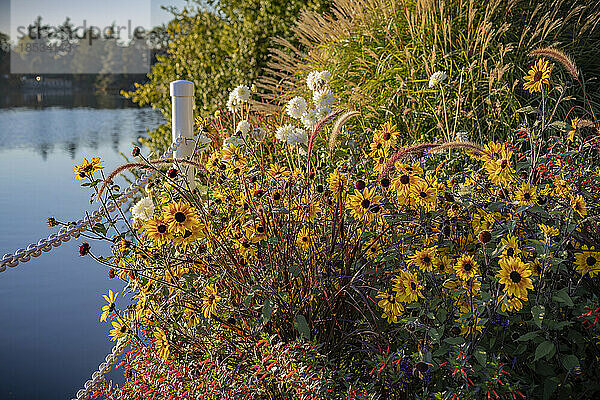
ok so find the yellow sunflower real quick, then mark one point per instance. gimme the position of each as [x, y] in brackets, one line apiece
[189, 236]
[161, 344]
[511, 246]
[510, 303]
[407, 287]
[549, 231]
[303, 239]
[392, 307]
[526, 194]
[443, 265]
[571, 133]
[579, 205]
[364, 204]
[514, 275]
[210, 300]
[110, 307]
[466, 267]
[88, 168]
[500, 171]
[424, 194]
[588, 262]
[337, 182]
[157, 230]
[384, 139]
[537, 76]
[119, 329]
[425, 259]
[308, 209]
[404, 182]
[180, 217]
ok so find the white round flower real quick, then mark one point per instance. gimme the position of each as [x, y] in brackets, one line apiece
[242, 93]
[244, 127]
[258, 134]
[309, 119]
[317, 80]
[234, 141]
[311, 80]
[296, 137]
[323, 98]
[437, 78]
[325, 76]
[296, 107]
[322, 113]
[283, 132]
[143, 209]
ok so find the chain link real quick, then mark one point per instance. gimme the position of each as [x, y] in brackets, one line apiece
[98, 375]
[44, 245]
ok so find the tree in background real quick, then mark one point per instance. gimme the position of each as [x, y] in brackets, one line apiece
[217, 45]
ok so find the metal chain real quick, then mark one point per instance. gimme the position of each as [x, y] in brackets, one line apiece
[65, 233]
[103, 368]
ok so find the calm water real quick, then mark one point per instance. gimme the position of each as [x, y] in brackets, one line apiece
[50, 337]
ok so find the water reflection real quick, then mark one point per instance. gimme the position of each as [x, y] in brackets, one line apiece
[51, 339]
[48, 129]
[61, 98]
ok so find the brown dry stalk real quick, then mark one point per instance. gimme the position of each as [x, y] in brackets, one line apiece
[318, 128]
[109, 179]
[337, 127]
[559, 56]
[405, 151]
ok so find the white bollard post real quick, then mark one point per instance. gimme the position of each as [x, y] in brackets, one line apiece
[182, 123]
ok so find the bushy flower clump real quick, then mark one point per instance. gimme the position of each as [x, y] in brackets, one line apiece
[370, 269]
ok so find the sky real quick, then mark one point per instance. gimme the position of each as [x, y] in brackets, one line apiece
[146, 13]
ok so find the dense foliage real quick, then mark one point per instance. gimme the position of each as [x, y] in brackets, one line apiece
[381, 52]
[347, 264]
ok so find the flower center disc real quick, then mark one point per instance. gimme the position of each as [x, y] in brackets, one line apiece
[365, 203]
[161, 228]
[590, 261]
[179, 216]
[515, 277]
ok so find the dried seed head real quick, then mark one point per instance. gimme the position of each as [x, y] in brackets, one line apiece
[485, 236]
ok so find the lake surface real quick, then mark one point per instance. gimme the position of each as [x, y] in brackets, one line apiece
[50, 336]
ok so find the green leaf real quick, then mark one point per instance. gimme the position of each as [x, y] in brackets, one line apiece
[563, 297]
[538, 313]
[570, 362]
[267, 310]
[527, 337]
[454, 340]
[481, 357]
[302, 326]
[99, 228]
[560, 125]
[435, 335]
[528, 110]
[544, 349]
